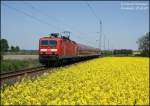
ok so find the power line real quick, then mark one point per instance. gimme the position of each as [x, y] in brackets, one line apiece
[41, 12]
[35, 18]
[92, 10]
[31, 16]
[56, 20]
[100, 23]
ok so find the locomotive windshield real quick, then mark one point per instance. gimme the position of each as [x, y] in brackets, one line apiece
[52, 42]
[44, 42]
[48, 43]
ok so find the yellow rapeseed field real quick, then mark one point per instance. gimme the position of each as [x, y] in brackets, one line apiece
[102, 81]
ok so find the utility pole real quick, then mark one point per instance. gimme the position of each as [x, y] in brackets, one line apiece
[104, 40]
[100, 36]
[108, 45]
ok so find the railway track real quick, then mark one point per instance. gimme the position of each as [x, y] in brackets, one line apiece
[16, 75]
[9, 75]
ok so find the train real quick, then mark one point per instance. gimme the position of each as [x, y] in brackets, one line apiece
[56, 49]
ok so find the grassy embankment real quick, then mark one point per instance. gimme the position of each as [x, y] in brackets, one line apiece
[13, 65]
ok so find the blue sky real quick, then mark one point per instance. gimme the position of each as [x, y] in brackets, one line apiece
[121, 26]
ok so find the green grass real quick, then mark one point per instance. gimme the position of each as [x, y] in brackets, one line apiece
[13, 65]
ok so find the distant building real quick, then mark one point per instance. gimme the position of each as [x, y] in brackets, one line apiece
[136, 52]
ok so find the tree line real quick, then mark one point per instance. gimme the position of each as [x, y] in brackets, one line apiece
[117, 52]
[143, 49]
[125, 52]
[5, 47]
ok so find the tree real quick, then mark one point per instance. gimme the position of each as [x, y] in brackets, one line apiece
[4, 45]
[143, 45]
[12, 49]
[17, 49]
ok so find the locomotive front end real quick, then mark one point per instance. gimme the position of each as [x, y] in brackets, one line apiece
[48, 47]
[48, 50]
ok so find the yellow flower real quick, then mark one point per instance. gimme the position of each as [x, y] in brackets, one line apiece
[101, 81]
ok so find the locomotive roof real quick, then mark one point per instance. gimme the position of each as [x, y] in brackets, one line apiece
[47, 38]
[58, 38]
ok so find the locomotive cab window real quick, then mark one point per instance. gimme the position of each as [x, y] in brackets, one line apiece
[48, 42]
[44, 42]
[52, 42]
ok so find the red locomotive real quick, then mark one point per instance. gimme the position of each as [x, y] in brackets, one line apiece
[57, 49]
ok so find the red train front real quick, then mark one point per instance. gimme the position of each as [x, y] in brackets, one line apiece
[56, 48]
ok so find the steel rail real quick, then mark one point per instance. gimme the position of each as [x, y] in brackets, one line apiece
[8, 75]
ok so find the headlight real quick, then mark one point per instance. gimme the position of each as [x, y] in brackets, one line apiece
[53, 50]
[43, 50]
